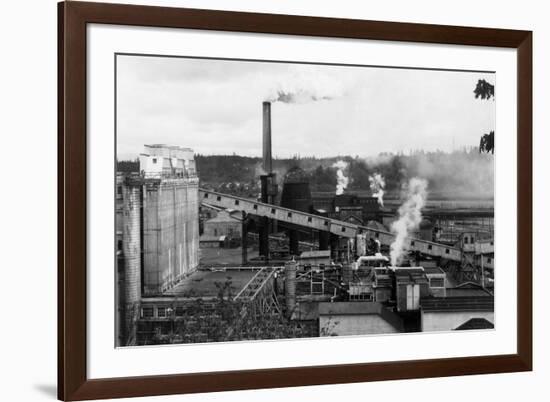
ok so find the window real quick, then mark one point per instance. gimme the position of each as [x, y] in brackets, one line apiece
[255, 206]
[361, 296]
[447, 251]
[465, 239]
[429, 246]
[309, 219]
[161, 312]
[412, 242]
[289, 214]
[147, 312]
[119, 245]
[219, 198]
[154, 160]
[215, 232]
[236, 202]
[179, 311]
[437, 282]
[273, 211]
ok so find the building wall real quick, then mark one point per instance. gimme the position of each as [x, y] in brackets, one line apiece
[170, 232]
[438, 291]
[449, 320]
[217, 228]
[382, 294]
[354, 324]
[409, 294]
[315, 260]
[150, 165]
[210, 244]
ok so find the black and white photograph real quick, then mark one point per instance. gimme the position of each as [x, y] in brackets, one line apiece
[260, 200]
[243, 201]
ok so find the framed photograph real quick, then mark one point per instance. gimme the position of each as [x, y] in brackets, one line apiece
[253, 200]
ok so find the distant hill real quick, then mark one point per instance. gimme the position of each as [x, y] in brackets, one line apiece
[465, 173]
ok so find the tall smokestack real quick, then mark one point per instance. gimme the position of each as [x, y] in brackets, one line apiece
[266, 149]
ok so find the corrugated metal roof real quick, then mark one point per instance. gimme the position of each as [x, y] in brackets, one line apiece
[476, 323]
[457, 292]
[361, 308]
[468, 289]
[346, 308]
[433, 270]
[410, 275]
[476, 303]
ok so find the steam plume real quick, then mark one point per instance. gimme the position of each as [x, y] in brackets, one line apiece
[377, 185]
[341, 179]
[410, 216]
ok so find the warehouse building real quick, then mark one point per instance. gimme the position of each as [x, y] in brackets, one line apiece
[225, 223]
[467, 306]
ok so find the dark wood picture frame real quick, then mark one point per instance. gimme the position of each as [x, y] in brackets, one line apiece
[73, 383]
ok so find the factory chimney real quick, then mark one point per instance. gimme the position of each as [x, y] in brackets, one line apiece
[268, 181]
[266, 149]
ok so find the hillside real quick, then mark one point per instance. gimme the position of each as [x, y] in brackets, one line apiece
[460, 174]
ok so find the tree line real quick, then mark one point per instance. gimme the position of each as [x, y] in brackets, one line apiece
[462, 171]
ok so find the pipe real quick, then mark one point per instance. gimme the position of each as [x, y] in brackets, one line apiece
[290, 287]
[244, 239]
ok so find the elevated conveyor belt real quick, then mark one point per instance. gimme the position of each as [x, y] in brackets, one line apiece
[336, 227]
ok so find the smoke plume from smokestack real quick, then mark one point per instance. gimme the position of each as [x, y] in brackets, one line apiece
[410, 216]
[341, 179]
[377, 185]
[297, 96]
[304, 87]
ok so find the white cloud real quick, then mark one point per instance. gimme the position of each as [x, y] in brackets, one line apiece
[214, 106]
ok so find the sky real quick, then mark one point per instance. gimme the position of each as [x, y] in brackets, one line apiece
[215, 107]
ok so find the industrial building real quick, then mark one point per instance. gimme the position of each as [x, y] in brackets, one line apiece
[467, 306]
[225, 223]
[157, 228]
[334, 279]
[353, 208]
